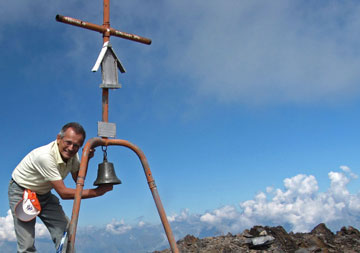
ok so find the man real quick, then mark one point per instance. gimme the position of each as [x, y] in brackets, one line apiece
[40, 171]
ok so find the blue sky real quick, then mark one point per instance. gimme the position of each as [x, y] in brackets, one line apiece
[247, 111]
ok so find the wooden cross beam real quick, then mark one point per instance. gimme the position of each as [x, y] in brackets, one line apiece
[107, 31]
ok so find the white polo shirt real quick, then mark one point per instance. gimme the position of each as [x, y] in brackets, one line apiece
[42, 165]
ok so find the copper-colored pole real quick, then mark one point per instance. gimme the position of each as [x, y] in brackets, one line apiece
[107, 31]
[106, 38]
[105, 104]
[94, 142]
[102, 29]
[106, 19]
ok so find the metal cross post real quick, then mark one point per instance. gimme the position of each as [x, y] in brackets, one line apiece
[107, 31]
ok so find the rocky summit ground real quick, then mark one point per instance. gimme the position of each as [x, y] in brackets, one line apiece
[275, 240]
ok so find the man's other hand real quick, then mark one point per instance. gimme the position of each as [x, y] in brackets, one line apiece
[102, 189]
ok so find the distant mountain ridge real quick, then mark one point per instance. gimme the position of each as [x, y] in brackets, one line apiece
[264, 239]
[275, 240]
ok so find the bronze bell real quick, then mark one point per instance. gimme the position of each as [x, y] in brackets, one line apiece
[106, 174]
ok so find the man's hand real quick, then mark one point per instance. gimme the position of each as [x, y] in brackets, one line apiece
[102, 189]
[91, 153]
[69, 193]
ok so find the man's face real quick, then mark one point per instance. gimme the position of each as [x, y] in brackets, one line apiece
[69, 144]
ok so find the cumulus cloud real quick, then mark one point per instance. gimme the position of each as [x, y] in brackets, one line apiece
[298, 207]
[118, 227]
[7, 229]
[41, 230]
[219, 215]
[183, 216]
[348, 170]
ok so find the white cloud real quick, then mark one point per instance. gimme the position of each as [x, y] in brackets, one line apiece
[338, 185]
[118, 227]
[217, 216]
[7, 228]
[41, 231]
[7, 232]
[348, 170]
[141, 223]
[184, 215]
[299, 207]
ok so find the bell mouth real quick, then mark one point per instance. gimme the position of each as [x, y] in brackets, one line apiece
[106, 174]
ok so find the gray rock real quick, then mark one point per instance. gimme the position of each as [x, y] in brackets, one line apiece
[262, 240]
[275, 240]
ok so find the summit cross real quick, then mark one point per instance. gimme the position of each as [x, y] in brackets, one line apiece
[107, 31]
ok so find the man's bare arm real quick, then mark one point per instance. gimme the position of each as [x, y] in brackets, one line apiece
[69, 193]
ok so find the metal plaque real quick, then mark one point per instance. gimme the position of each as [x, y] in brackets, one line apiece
[106, 129]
